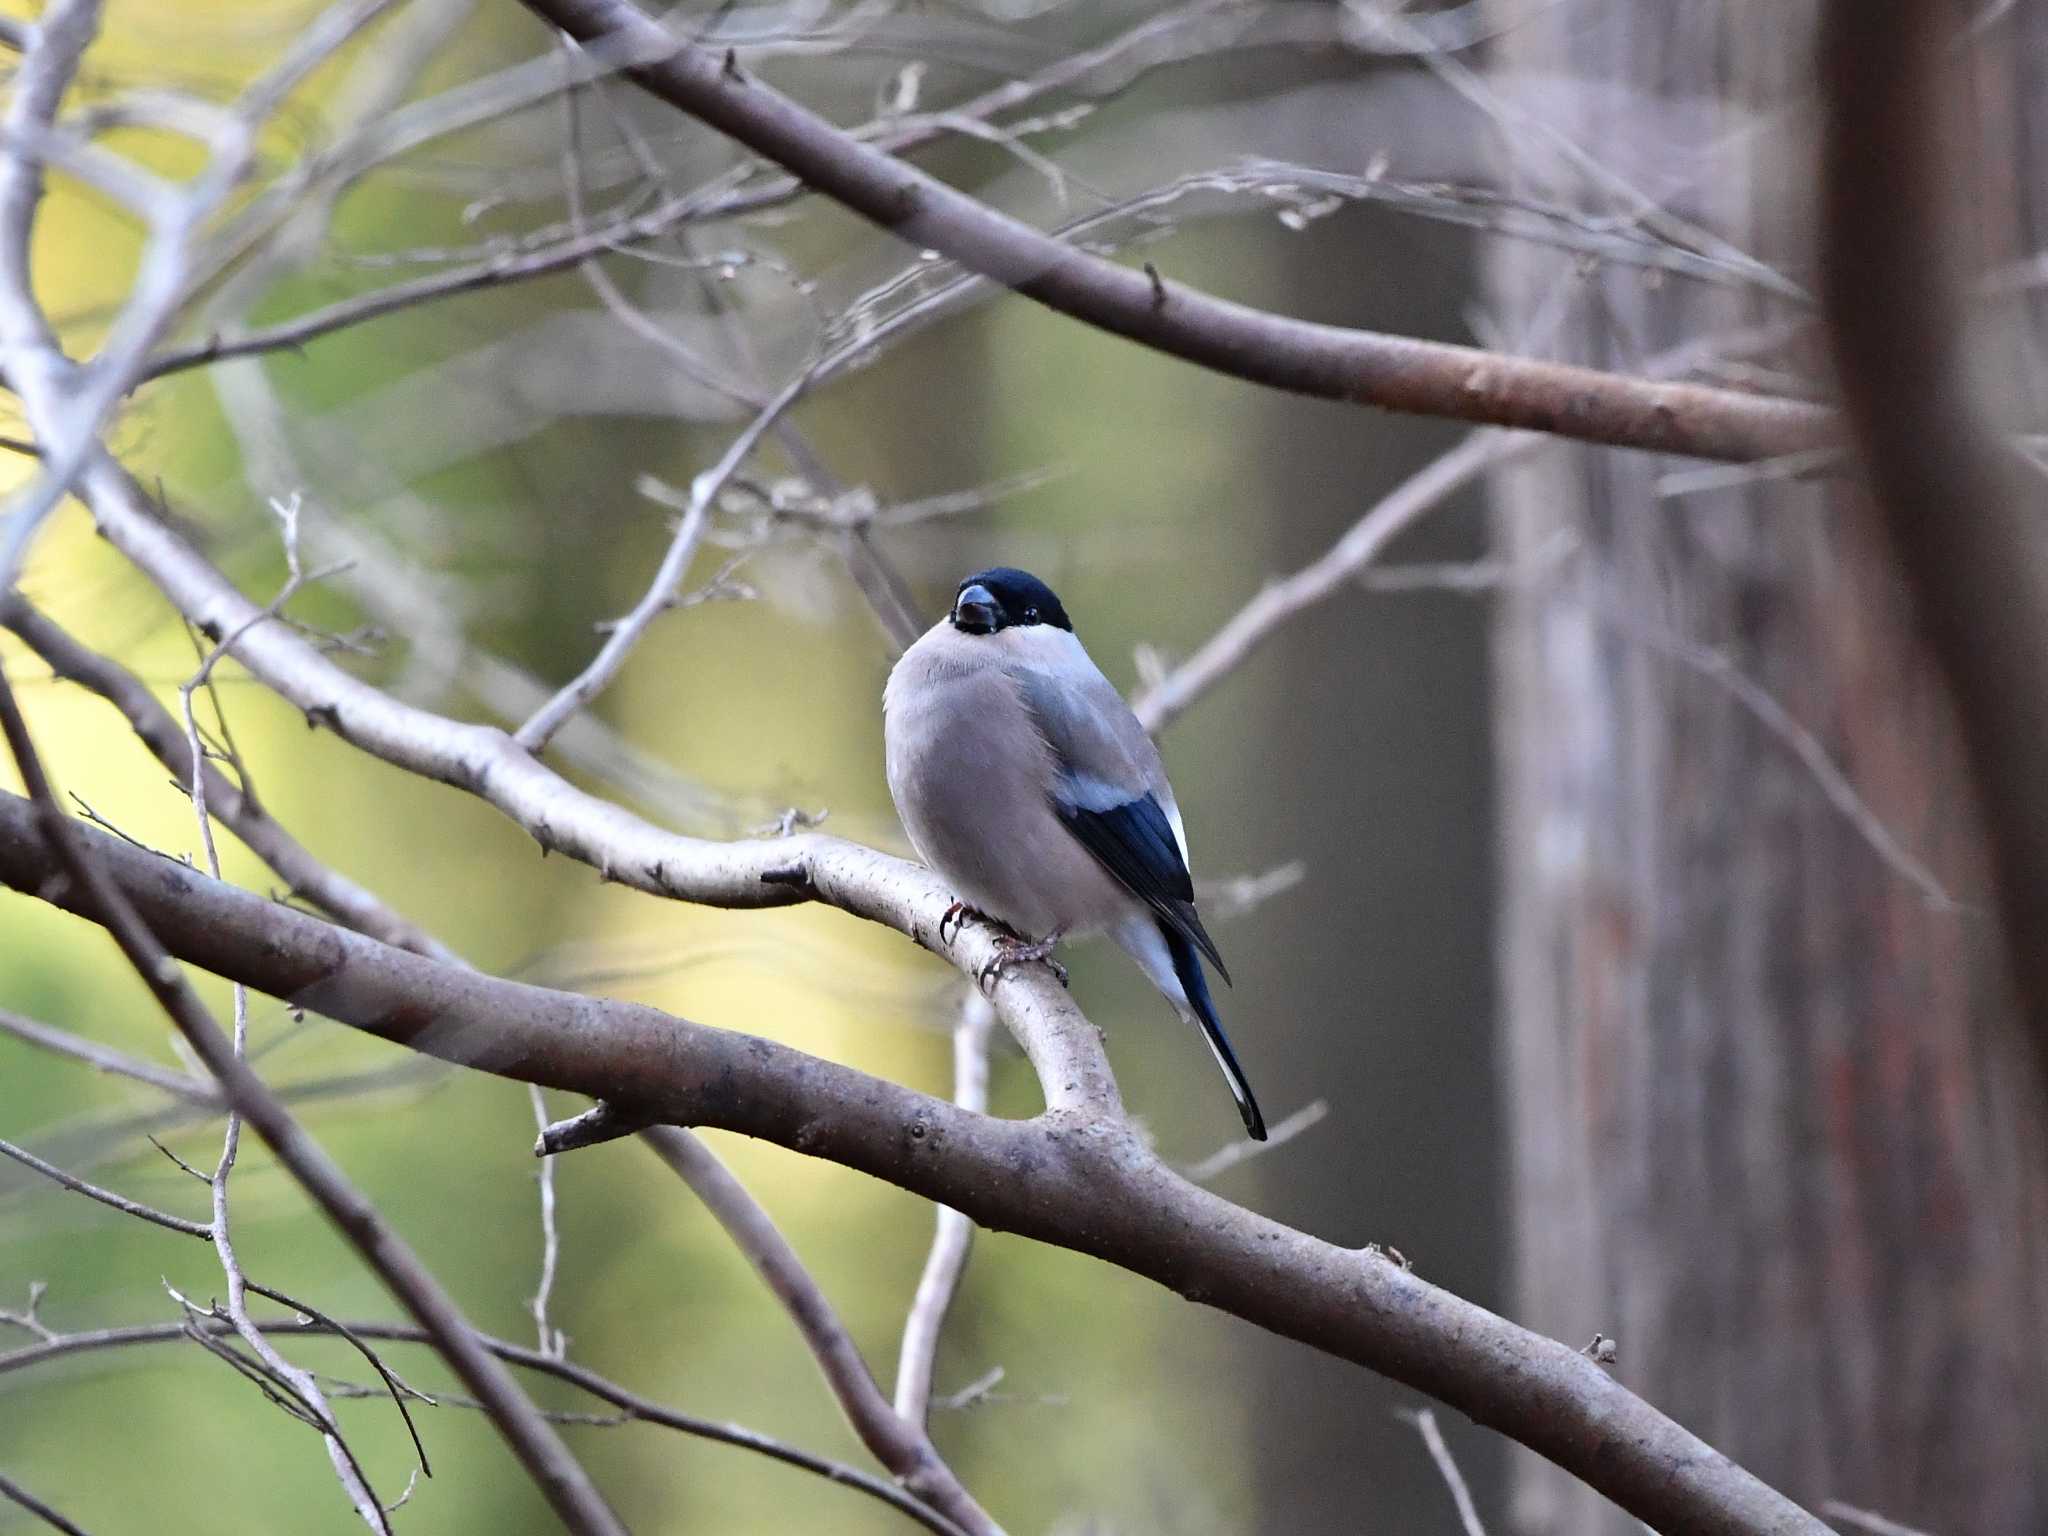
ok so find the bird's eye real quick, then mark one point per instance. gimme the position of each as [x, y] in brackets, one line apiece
[1030, 615]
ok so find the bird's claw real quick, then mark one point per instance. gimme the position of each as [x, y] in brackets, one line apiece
[1012, 951]
[956, 915]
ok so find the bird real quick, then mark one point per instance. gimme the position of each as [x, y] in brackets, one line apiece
[1023, 778]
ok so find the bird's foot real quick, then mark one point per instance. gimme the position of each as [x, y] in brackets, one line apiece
[1015, 951]
[954, 917]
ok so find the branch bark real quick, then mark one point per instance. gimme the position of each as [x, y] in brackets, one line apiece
[1397, 373]
[1077, 1176]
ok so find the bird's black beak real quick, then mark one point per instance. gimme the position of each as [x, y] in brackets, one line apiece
[975, 610]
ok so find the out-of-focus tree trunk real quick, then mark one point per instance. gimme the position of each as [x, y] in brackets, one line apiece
[1772, 1122]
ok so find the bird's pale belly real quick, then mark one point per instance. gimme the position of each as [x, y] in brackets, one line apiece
[988, 826]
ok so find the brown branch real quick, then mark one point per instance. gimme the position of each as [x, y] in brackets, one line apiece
[1079, 1176]
[1398, 373]
[68, 851]
[1967, 537]
[900, 1444]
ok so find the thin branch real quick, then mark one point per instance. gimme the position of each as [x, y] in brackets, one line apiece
[300, 1385]
[1425, 1424]
[953, 1233]
[397, 1390]
[1168, 697]
[1866, 1520]
[553, 1342]
[1397, 373]
[1079, 1176]
[668, 579]
[15, 1493]
[536, 1444]
[1248, 628]
[104, 1058]
[1763, 707]
[1234, 1153]
[49, 61]
[631, 1405]
[106, 1197]
[900, 1444]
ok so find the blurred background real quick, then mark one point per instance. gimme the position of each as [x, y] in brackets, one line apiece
[1625, 1019]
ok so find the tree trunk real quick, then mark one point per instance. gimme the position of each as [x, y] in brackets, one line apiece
[1772, 1121]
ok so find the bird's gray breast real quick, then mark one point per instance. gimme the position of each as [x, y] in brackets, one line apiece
[973, 778]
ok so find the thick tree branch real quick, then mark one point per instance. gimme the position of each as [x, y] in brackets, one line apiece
[1078, 1176]
[1968, 537]
[1398, 373]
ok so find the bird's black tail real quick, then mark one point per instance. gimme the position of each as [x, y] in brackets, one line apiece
[1187, 966]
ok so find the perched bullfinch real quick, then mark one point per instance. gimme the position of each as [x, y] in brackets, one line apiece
[1023, 778]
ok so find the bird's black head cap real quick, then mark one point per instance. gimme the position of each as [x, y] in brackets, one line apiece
[1004, 597]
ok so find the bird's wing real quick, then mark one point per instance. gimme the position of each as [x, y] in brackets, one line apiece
[1110, 791]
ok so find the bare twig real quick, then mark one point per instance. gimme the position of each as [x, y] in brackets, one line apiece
[1187, 32]
[29, 1318]
[668, 579]
[104, 1058]
[1231, 1154]
[630, 1405]
[898, 1443]
[301, 1384]
[1166, 699]
[15, 1493]
[50, 59]
[106, 1197]
[286, 1375]
[1424, 1420]
[553, 1342]
[1866, 1520]
[1410, 501]
[953, 1233]
[1763, 707]
[70, 437]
